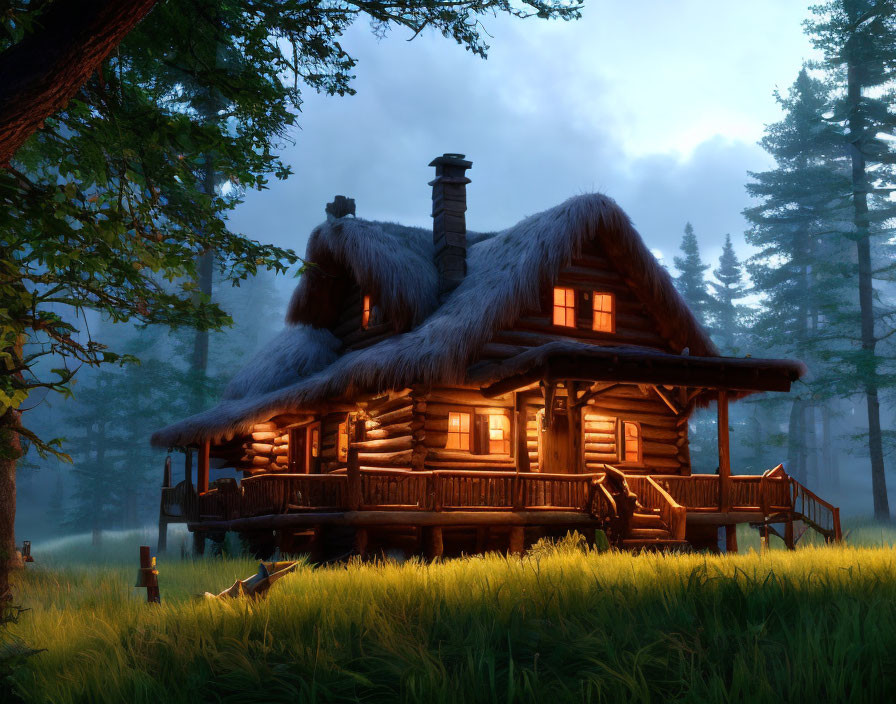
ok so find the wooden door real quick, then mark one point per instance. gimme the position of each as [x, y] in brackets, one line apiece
[556, 448]
[298, 450]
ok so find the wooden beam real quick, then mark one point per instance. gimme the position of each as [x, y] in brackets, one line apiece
[665, 399]
[594, 393]
[202, 469]
[724, 453]
[400, 518]
[625, 366]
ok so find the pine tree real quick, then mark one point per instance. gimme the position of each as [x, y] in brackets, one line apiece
[691, 281]
[802, 269]
[727, 315]
[858, 40]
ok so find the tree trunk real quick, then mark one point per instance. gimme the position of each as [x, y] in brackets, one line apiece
[811, 444]
[796, 466]
[832, 470]
[41, 73]
[867, 371]
[10, 452]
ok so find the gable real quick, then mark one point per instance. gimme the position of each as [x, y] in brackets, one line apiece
[589, 274]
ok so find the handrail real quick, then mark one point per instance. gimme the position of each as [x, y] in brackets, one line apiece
[806, 503]
[677, 514]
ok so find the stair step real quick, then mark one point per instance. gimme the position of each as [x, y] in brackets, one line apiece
[646, 520]
[659, 533]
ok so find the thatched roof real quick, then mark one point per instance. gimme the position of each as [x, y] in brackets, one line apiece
[505, 274]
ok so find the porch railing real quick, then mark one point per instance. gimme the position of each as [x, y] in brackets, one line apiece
[437, 490]
[596, 495]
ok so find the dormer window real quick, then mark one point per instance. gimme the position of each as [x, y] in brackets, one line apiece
[365, 312]
[564, 307]
[602, 306]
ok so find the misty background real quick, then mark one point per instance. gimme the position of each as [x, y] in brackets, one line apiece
[659, 105]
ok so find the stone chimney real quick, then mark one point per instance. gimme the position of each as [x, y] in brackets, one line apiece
[449, 225]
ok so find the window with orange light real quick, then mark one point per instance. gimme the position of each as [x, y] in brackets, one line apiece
[365, 312]
[602, 305]
[498, 435]
[565, 307]
[458, 431]
[631, 433]
[342, 441]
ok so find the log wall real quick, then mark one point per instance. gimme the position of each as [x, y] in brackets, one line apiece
[664, 438]
[439, 402]
[589, 272]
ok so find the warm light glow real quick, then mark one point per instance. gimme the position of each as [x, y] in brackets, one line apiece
[365, 313]
[632, 438]
[315, 442]
[458, 431]
[565, 307]
[602, 304]
[342, 441]
[498, 435]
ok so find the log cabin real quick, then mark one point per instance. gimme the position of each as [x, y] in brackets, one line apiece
[443, 391]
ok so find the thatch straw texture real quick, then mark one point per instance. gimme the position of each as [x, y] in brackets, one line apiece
[506, 272]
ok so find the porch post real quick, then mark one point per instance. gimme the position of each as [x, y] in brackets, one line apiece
[522, 436]
[724, 454]
[202, 467]
[188, 466]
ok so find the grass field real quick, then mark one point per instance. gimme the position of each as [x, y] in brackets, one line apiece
[560, 625]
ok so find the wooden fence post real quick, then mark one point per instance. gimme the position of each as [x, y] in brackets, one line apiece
[148, 576]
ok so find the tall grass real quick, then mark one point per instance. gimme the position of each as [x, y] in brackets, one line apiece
[562, 625]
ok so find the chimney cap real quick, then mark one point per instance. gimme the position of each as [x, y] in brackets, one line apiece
[451, 159]
[340, 207]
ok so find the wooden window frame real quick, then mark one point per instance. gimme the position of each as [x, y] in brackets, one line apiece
[342, 441]
[612, 312]
[620, 443]
[460, 433]
[476, 419]
[568, 290]
[366, 311]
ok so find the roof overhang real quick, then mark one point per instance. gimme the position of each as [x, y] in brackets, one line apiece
[562, 361]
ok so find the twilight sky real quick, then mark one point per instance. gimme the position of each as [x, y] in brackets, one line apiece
[657, 103]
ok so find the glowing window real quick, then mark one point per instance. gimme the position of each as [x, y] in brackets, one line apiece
[342, 441]
[632, 442]
[315, 441]
[498, 435]
[602, 303]
[458, 431]
[365, 313]
[565, 307]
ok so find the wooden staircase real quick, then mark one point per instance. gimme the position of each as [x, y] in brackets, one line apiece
[648, 531]
[647, 518]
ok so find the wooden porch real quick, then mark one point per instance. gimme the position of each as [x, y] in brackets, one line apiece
[634, 510]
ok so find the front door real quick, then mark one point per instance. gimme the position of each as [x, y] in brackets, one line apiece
[556, 446]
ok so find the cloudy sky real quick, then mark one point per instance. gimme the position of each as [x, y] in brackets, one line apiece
[657, 103]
